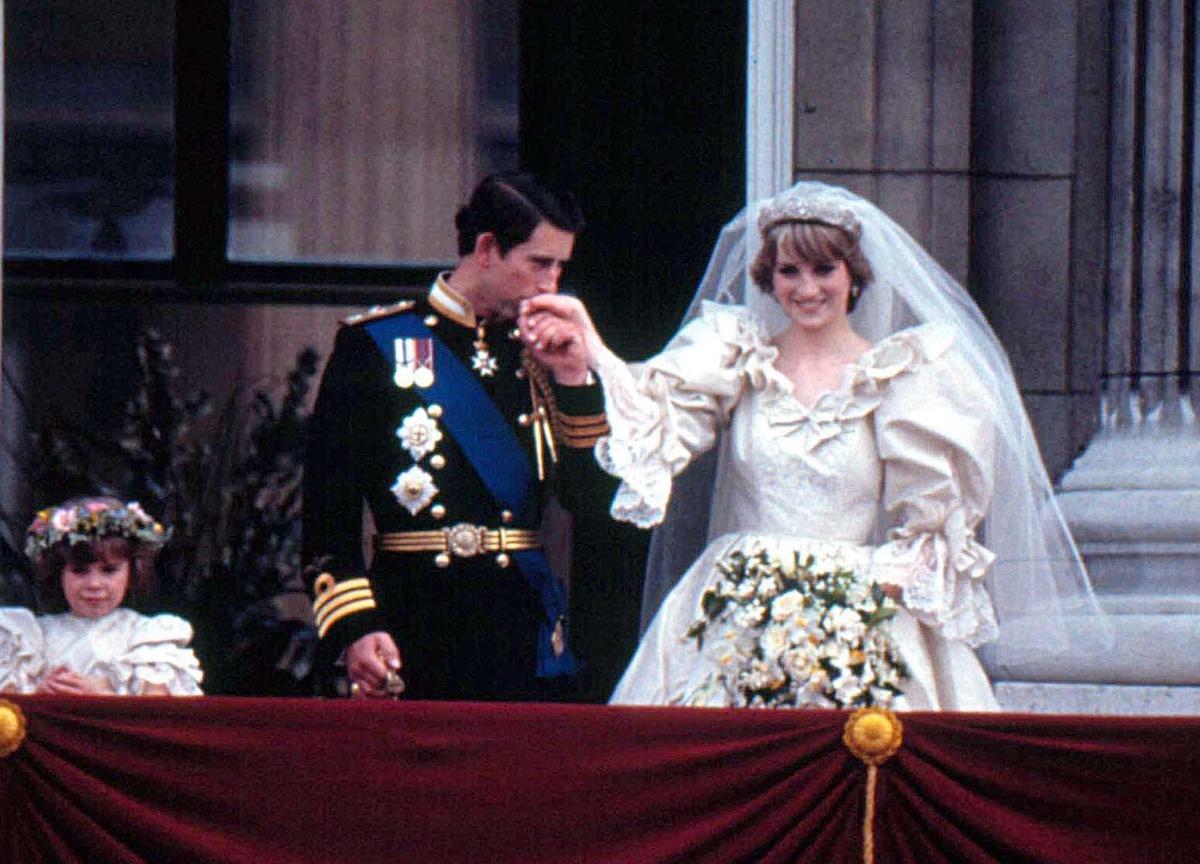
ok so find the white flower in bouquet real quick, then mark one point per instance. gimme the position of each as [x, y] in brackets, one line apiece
[883, 696]
[885, 675]
[867, 675]
[814, 697]
[858, 596]
[750, 616]
[818, 682]
[787, 633]
[800, 662]
[769, 587]
[787, 605]
[846, 623]
[775, 640]
[762, 675]
[847, 687]
[745, 590]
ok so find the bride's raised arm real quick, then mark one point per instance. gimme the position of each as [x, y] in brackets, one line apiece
[663, 412]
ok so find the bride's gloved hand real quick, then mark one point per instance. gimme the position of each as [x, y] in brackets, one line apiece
[561, 336]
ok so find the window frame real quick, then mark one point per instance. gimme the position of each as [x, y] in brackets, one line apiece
[200, 268]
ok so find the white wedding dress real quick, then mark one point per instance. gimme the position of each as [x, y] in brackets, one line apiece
[890, 473]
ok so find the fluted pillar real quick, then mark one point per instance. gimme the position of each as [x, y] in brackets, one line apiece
[1133, 496]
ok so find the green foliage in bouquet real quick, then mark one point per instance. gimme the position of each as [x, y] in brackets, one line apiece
[228, 483]
[795, 633]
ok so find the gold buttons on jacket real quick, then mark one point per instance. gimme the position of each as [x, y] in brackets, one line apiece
[437, 511]
[506, 517]
[437, 460]
[502, 560]
[431, 320]
[434, 411]
[442, 559]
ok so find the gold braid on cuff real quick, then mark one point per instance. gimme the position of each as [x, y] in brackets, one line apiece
[582, 431]
[337, 600]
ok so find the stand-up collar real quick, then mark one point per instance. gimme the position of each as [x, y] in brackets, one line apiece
[450, 303]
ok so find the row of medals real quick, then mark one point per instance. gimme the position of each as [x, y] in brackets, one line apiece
[420, 374]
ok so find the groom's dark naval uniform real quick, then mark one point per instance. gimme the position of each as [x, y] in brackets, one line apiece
[439, 424]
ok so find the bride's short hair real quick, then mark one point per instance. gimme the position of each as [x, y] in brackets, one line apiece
[812, 241]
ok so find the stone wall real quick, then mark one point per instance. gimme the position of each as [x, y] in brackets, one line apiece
[981, 127]
[1045, 154]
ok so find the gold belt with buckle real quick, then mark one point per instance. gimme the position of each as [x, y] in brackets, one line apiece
[463, 540]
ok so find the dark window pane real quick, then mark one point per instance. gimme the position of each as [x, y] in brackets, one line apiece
[89, 154]
[358, 127]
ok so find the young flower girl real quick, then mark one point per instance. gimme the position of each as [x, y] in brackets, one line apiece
[91, 555]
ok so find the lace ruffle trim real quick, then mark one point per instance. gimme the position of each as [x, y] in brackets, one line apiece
[942, 588]
[645, 486]
[644, 448]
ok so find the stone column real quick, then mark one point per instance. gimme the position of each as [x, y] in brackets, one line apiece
[1133, 496]
[770, 96]
[883, 108]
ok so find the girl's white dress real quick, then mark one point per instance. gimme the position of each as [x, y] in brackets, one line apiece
[890, 474]
[125, 648]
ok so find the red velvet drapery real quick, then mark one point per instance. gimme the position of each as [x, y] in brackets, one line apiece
[233, 780]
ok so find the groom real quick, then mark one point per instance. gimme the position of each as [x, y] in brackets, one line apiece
[434, 414]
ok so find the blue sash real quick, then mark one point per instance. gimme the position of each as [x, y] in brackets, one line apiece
[497, 456]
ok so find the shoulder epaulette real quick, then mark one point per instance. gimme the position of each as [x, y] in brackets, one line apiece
[377, 312]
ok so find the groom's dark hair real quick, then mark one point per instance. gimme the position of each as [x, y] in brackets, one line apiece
[510, 205]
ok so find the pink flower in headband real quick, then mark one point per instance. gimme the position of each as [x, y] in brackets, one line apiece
[91, 520]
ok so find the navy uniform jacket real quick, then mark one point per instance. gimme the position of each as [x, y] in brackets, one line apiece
[468, 630]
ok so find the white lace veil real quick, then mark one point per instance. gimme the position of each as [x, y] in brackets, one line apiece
[1044, 602]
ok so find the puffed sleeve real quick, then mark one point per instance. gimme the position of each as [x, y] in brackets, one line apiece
[158, 653]
[936, 438]
[22, 650]
[666, 411]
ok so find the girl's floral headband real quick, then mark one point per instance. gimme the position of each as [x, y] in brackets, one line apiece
[89, 521]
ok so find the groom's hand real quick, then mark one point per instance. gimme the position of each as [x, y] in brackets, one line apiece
[368, 662]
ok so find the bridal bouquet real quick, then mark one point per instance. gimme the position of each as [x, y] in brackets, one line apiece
[792, 633]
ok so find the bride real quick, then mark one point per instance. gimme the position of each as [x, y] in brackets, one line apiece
[864, 413]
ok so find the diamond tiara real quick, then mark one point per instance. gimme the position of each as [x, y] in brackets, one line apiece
[791, 207]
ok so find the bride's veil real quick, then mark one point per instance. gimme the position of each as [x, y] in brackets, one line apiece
[1043, 599]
